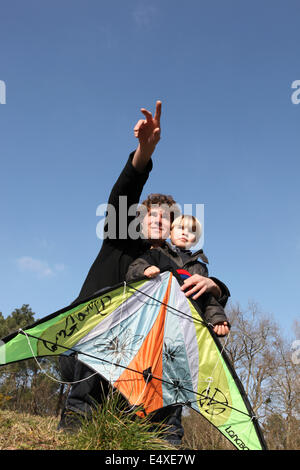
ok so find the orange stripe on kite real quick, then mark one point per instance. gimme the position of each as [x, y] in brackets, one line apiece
[133, 385]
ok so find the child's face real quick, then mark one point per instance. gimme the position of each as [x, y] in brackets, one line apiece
[182, 236]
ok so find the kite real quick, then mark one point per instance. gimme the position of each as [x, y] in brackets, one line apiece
[151, 343]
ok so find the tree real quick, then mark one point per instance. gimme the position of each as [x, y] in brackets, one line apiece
[250, 350]
[28, 388]
[262, 360]
[19, 318]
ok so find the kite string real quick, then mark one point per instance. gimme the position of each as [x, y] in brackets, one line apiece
[46, 373]
[211, 379]
[139, 397]
[170, 307]
[119, 328]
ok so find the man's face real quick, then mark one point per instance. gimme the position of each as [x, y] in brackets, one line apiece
[156, 223]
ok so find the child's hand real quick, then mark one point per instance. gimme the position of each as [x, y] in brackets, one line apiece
[152, 271]
[221, 328]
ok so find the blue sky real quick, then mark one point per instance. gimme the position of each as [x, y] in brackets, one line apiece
[77, 74]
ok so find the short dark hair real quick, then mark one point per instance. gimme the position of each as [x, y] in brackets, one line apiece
[157, 199]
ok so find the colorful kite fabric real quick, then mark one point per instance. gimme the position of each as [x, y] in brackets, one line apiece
[152, 344]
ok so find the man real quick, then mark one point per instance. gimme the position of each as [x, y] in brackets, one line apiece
[116, 254]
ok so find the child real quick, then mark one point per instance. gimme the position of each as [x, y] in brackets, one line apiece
[185, 233]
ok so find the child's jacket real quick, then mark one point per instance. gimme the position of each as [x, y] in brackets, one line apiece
[167, 258]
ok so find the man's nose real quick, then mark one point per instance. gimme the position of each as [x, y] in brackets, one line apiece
[158, 219]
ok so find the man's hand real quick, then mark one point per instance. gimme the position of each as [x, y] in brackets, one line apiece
[221, 328]
[151, 272]
[197, 285]
[147, 131]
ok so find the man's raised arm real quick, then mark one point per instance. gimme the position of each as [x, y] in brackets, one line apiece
[148, 133]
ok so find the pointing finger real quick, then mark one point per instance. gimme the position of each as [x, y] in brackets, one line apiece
[158, 111]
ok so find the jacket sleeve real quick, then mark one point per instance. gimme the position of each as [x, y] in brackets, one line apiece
[225, 294]
[136, 269]
[212, 310]
[201, 268]
[125, 193]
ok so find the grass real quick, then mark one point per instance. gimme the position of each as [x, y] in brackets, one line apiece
[25, 431]
[199, 434]
[109, 429]
[113, 429]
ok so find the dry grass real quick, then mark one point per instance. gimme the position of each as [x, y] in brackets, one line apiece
[29, 432]
[25, 431]
[199, 434]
